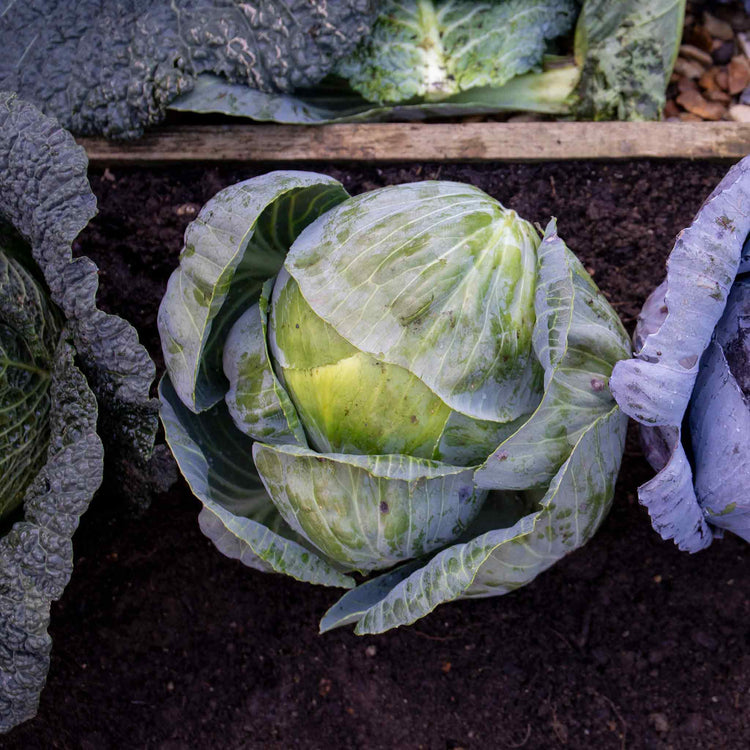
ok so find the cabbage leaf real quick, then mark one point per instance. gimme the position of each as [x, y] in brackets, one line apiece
[617, 67]
[57, 350]
[112, 67]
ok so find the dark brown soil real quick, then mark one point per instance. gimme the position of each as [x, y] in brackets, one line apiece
[160, 642]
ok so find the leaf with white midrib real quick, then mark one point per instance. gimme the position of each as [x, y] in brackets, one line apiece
[501, 561]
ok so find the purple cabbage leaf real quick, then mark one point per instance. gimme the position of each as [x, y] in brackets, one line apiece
[688, 384]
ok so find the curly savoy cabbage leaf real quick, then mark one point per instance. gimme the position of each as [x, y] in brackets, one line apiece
[50, 453]
[111, 67]
[36, 555]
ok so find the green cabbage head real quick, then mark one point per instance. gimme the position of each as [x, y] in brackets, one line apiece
[410, 380]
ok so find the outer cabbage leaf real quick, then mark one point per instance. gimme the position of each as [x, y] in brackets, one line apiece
[577, 338]
[440, 287]
[574, 331]
[503, 560]
[36, 555]
[238, 516]
[45, 201]
[675, 328]
[45, 195]
[545, 92]
[720, 438]
[626, 51]
[112, 67]
[368, 512]
[431, 49]
[238, 241]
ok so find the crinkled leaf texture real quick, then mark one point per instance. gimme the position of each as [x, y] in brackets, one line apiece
[29, 332]
[45, 201]
[36, 555]
[111, 67]
[674, 349]
[46, 196]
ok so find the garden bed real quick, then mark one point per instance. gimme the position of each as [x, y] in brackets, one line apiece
[161, 642]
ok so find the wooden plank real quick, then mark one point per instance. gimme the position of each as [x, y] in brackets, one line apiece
[409, 142]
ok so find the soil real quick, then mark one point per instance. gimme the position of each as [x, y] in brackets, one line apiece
[161, 642]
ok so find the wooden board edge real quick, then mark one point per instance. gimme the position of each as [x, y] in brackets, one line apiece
[410, 142]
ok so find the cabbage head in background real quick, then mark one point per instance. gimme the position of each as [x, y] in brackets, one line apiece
[591, 60]
[689, 383]
[73, 380]
[407, 381]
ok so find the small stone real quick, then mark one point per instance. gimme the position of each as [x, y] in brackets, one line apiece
[694, 103]
[187, 209]
[717, 28]
[723, 53]
[708, 80]
[659, 722]
[687, 84]
[690, 52]
[739, 113]
[722, 79]
[371, 651]
[738, 74]
[718, 96]
[688, 68]
[745, 96]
